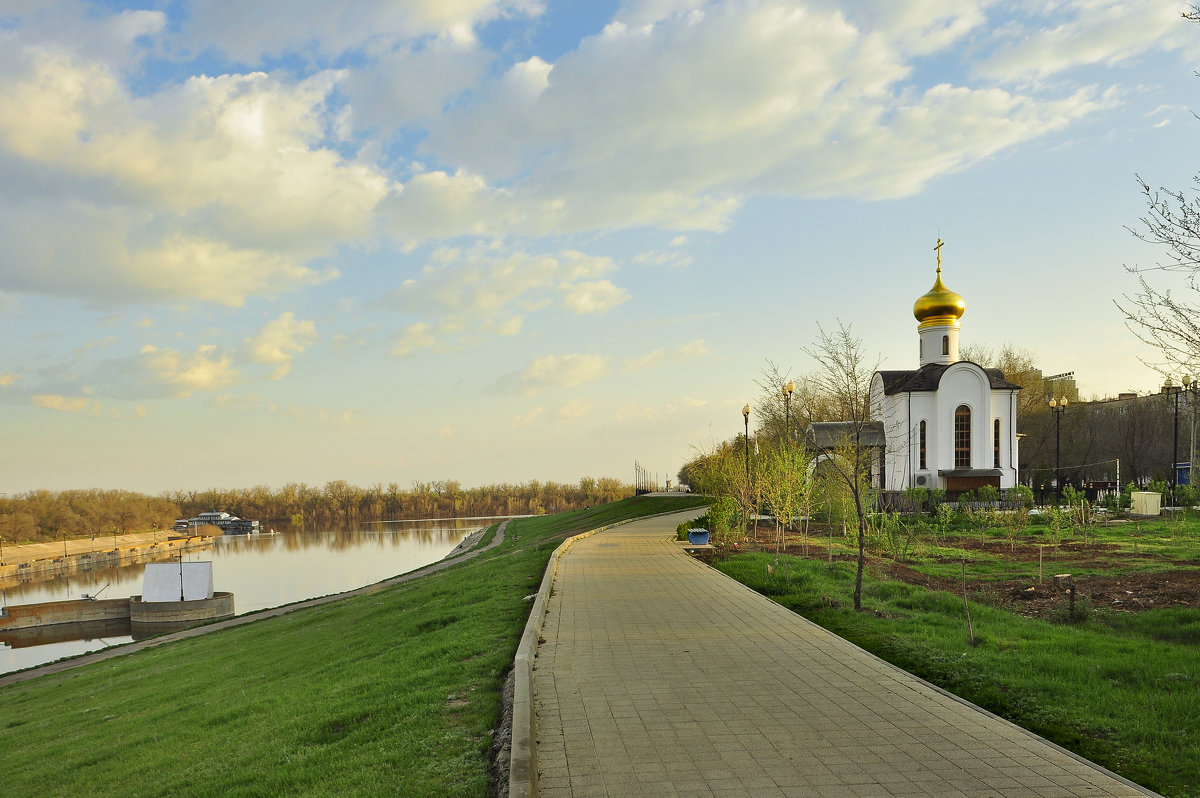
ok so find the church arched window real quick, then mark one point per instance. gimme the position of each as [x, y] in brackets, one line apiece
[923, 466]
[996, 443]
[945, 344]
[962, 437]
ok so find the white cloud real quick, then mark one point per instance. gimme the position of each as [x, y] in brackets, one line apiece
[1086, 32]
[694, 349]
[386, 93]
[565, 371]
[230, 186]
[345, 418]
[527, 420]
[445, 431]
[202, 370]
[671, 260]
[7, 379]
[413, 337]
[77, 404]
[490, 288]
[511, 326]
[216, 188]
[241, 30]
[574, 409]
[228, 401]
[633, 413]
[593, 297]
[676, 113]
[279, 340]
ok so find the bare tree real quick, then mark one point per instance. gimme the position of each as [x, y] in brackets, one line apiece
[842, 382]
[1172, 223]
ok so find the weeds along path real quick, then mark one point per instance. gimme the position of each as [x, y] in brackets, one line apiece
[456, 556]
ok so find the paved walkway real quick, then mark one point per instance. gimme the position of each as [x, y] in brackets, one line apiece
[661, 676]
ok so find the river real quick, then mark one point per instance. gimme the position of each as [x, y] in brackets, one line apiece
[261, 571]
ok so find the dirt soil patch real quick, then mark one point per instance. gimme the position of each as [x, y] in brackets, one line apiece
[1123, 592]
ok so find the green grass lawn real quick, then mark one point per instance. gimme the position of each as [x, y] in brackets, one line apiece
[1121, 689]
[393, 692]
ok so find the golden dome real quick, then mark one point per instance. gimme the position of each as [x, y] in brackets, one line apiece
[939, 305]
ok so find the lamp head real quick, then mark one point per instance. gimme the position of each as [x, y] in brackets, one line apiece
[789, 388]
[746, 411]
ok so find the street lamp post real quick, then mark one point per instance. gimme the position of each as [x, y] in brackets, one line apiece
[1058, 407]
[787, 410]
[746, 416]
[1175, 445]
[1191, 387]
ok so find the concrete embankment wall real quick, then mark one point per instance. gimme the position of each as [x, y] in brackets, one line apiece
[175, 612]
[14, 571]
[54, 613]
[30, 616]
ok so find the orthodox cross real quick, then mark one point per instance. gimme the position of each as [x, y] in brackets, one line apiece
[938, 249]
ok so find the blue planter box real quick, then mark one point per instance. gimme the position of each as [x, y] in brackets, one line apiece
[698, 537]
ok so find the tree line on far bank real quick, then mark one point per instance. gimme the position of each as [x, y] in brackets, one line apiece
[44, 515]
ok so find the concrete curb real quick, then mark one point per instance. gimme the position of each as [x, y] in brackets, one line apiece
[523, 767]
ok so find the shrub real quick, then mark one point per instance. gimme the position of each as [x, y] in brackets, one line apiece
[1073, 497]
[721, 517]
[1020, 495]
[918, 498]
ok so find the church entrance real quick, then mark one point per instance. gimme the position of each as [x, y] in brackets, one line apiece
[961, 480]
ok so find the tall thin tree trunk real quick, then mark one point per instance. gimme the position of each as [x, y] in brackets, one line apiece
[862, 546]
[967, 607]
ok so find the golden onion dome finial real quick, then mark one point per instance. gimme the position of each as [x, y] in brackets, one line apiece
[939, 305]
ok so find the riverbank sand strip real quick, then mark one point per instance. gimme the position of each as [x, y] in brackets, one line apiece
[661, 676]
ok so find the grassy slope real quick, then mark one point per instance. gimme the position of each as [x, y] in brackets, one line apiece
[396, 691]
[1122, 690]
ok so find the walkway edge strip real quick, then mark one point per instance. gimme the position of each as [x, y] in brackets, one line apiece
[522, 769]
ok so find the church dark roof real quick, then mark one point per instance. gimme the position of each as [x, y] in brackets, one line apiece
[928, 376]
[832, 434]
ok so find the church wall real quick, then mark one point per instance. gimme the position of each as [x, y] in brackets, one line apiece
[924, 408]
[965, 384]
[1003, 407]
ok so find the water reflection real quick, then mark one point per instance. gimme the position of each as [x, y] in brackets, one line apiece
[262, 571]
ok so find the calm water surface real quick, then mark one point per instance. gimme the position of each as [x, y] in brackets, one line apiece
[261, 571]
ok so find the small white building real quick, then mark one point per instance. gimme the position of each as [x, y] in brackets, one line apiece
[949, 424]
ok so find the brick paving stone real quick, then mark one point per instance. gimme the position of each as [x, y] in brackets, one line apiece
[660, 676]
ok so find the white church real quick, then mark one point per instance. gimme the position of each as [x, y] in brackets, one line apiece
[950, 423]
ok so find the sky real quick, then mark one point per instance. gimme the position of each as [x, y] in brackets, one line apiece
[253, 243]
